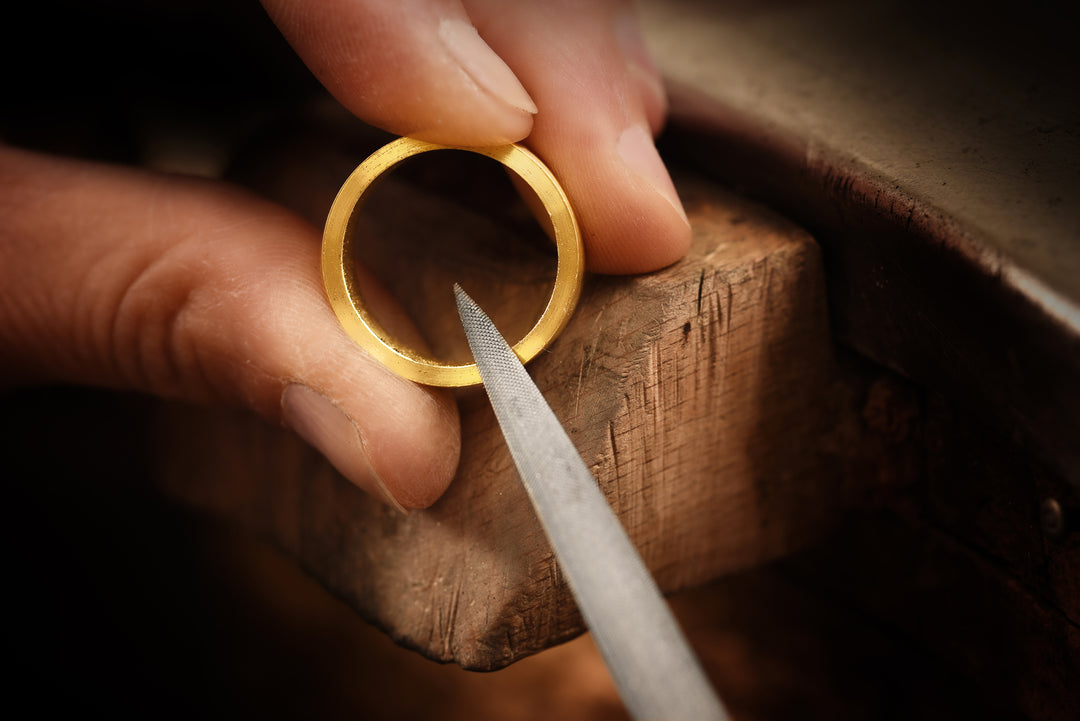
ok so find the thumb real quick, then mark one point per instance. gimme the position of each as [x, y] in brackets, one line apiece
[413, 67]
[197, 291]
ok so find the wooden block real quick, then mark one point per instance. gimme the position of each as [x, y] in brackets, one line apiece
[698, 395]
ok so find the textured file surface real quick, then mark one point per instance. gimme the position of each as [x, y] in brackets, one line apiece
[656, 673]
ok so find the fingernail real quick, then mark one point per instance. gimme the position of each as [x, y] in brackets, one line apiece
[637, 150]
[483, 65]
[322, 424]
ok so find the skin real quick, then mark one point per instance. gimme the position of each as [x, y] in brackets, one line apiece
[196, 290]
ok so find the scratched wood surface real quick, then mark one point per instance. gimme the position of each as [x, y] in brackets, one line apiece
[695, 394]
[899, 166]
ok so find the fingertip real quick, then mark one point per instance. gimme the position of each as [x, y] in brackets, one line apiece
[637, 150]
[411, 67]
[633, 220]
[404, 456]
[483, 65]
[485, 123]
[326, 427]
[414, 445]
[629, 237]
[481, 101]
[599, 110]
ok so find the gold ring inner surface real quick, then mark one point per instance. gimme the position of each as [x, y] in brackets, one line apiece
[348, 303]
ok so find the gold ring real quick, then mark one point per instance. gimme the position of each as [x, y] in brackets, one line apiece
[348, 303]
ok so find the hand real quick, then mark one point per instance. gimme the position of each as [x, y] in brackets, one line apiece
[572, 78]
[195, 290]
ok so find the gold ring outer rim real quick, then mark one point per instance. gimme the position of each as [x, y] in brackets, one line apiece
[347, 302]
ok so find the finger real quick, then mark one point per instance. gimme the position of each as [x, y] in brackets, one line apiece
[645, 79]
[193, 290]
[413, 67]
[599, 99]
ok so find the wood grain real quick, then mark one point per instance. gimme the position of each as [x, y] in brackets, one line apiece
[698, 396]
[899, 166]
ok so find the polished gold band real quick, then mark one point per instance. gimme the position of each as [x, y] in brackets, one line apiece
[348, 304]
